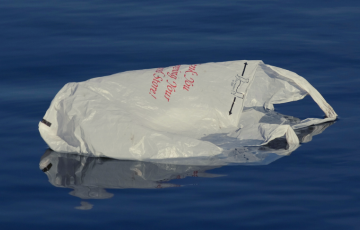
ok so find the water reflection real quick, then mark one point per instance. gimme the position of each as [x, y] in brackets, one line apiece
[89, 176]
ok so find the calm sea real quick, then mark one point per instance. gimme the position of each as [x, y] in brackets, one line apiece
[45, 44]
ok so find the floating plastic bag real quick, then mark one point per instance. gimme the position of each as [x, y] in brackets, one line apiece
[179, 111]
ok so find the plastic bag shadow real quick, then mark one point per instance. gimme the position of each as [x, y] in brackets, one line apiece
[89, 176]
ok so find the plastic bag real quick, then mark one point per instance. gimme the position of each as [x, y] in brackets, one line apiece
[179, 111]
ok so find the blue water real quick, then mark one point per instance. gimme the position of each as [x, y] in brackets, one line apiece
[45, 44]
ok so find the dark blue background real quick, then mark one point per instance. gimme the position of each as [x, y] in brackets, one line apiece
[45, 44]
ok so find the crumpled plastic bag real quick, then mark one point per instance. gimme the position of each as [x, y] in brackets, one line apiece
[178, 112]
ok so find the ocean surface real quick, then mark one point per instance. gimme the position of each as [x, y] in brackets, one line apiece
[46, 44]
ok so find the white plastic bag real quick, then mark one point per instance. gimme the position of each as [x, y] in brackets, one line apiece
[179, 111]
